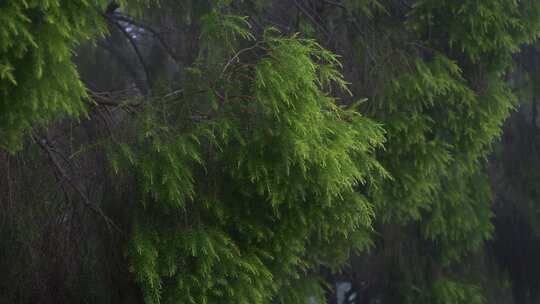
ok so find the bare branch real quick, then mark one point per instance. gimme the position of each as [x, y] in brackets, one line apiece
[108, 99]
[134, 46]
[44, 144]
[156, 34]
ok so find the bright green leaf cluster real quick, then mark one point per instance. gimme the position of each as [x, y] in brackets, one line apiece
[261, 192]
[38, 81]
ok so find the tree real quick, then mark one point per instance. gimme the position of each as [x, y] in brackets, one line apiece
[249, 151]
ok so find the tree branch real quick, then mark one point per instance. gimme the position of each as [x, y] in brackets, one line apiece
[156, 34]
[44, 144]
[134, 46]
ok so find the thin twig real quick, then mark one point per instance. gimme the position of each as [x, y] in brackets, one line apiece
[256, 45]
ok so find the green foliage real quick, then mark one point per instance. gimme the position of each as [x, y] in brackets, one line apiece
[254, 176]
[271, 197]
[494, 28]
[460, 218]
[441, 116]
[447, 291]
[38, 81]
[436, 126]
